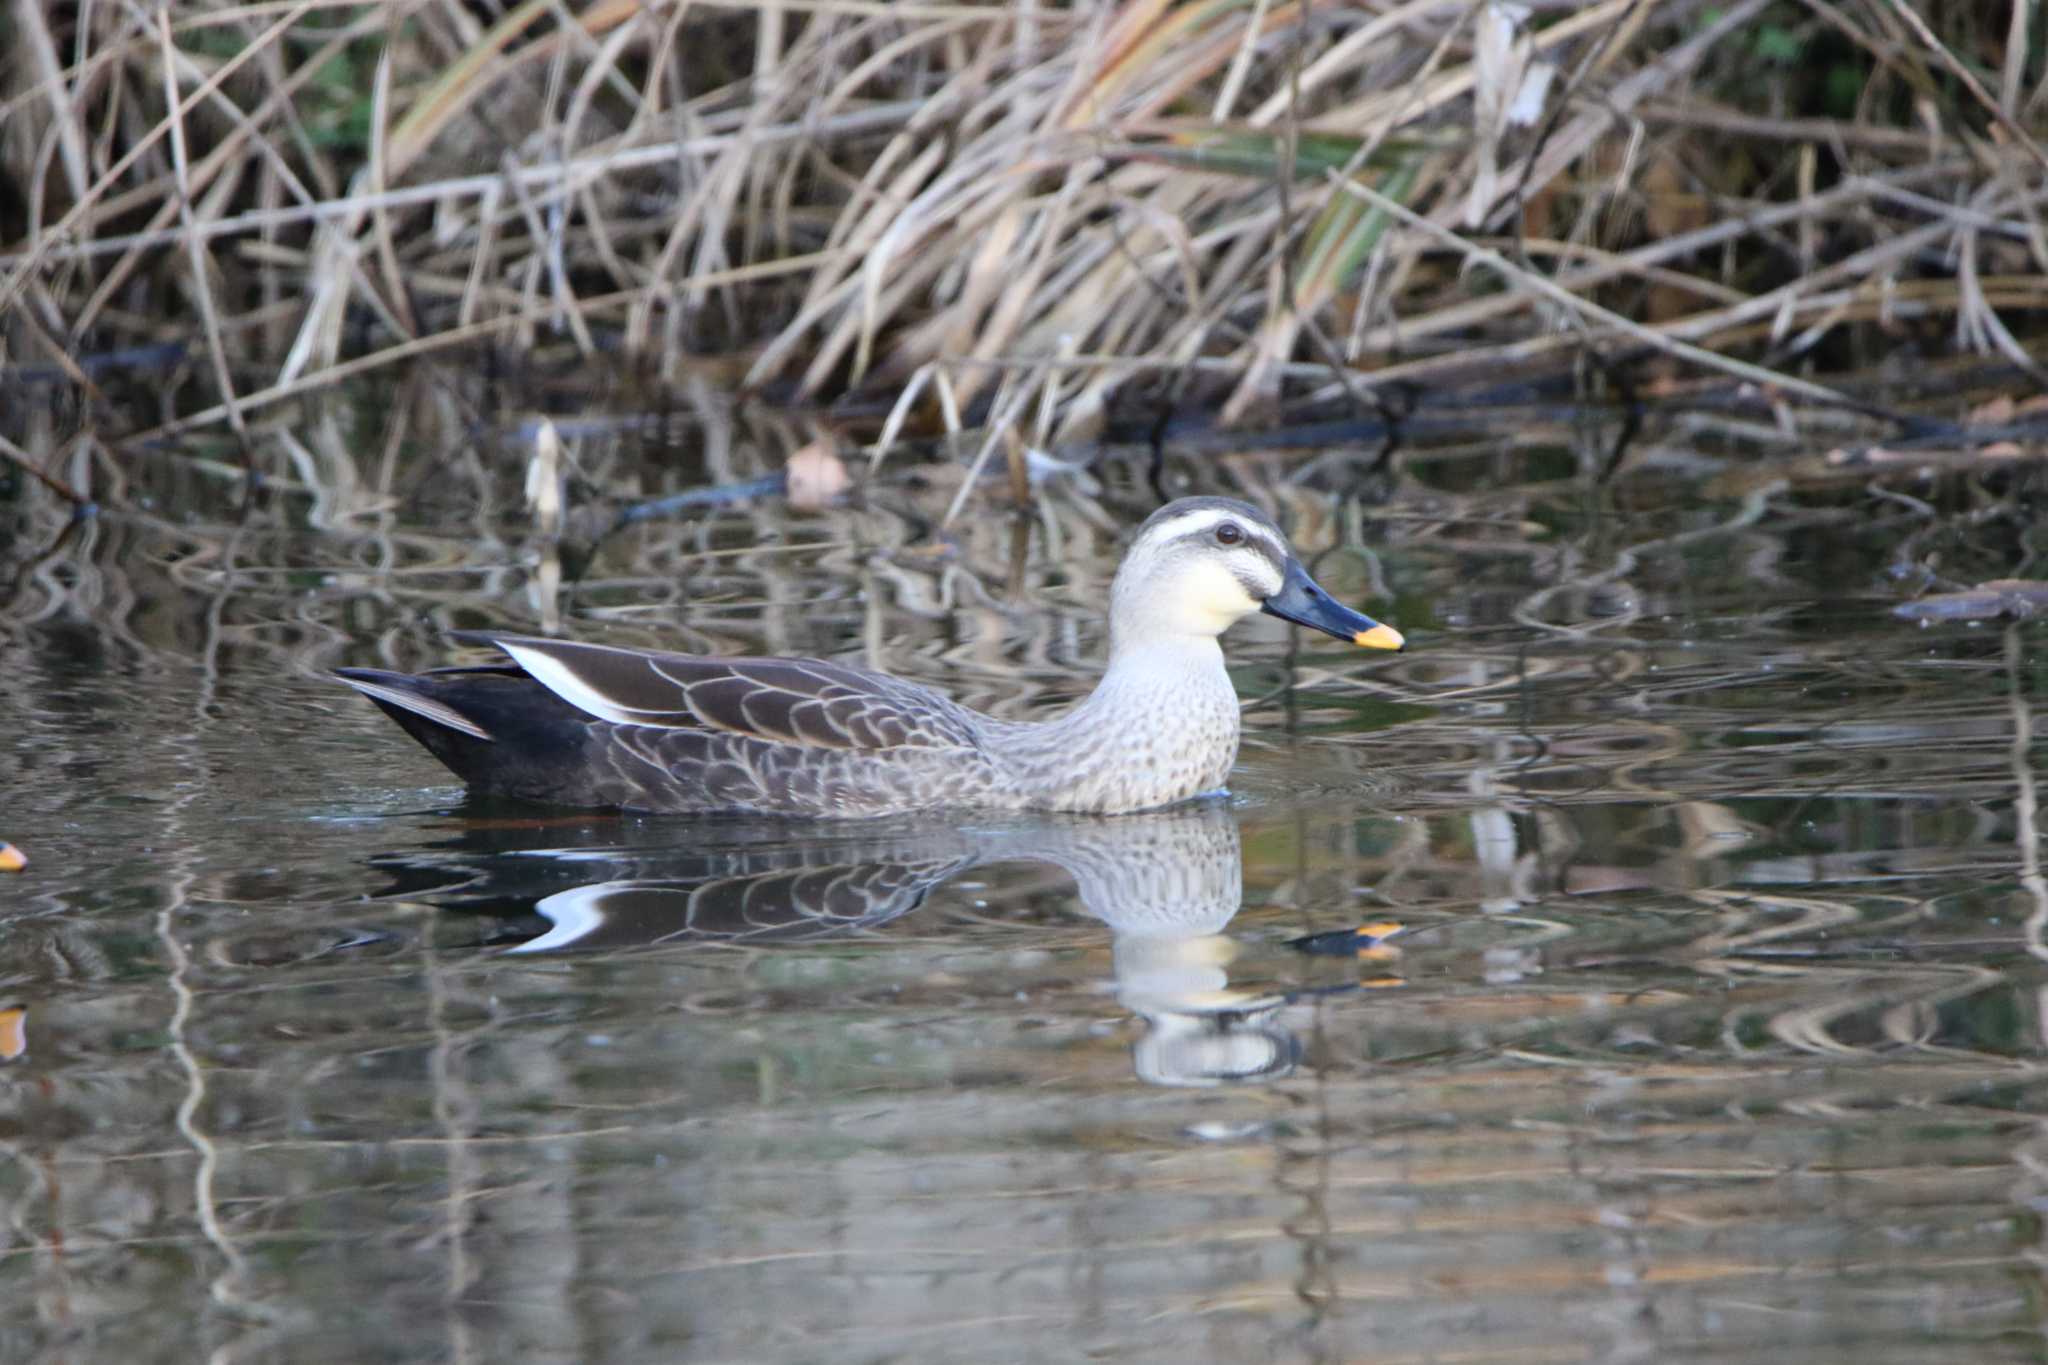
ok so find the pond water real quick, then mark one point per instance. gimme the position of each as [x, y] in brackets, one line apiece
[1711, 1029]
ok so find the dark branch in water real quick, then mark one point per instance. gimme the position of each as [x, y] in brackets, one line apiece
[693, 499]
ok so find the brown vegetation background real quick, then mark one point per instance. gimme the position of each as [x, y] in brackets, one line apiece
[998, 217]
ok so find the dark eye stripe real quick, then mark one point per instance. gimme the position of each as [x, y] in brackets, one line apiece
[1275, 555]
[1251, 540]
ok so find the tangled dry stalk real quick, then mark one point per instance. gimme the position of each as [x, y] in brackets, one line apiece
[1007, 213]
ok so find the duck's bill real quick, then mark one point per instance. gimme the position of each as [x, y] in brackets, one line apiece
[1302, 601]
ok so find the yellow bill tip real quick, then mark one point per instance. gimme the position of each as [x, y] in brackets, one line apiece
[10, 858]
[1379, 637]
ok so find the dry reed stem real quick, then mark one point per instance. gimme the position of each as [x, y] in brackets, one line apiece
[202, 284]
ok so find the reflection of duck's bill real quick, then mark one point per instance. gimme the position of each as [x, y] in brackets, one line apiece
[1302, 600]
[1367, 941]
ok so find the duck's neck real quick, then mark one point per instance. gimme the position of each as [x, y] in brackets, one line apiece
[1161, 726]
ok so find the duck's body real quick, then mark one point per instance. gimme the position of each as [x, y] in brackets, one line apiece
[805, 736]
[592, 725]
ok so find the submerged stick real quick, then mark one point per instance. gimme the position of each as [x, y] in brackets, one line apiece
[720, 495]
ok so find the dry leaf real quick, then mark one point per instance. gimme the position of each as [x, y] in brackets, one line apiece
[1995, 413]
[815, 476]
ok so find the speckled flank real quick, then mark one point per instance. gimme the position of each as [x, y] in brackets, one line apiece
[1162, 727]
[733, 772]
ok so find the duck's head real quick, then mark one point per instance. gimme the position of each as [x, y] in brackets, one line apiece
[1199, 565]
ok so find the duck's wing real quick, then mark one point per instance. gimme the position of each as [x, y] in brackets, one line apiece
[806, 702]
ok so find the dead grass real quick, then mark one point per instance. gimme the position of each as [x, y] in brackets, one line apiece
[998, 216]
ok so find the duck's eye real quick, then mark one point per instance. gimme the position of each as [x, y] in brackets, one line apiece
[1229, 533]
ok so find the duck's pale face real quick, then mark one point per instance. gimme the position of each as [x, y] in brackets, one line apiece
[1205, 593]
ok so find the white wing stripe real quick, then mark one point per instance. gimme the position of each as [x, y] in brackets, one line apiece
[562, 680]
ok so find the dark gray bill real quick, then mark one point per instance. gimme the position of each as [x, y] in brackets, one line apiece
[1301, 601]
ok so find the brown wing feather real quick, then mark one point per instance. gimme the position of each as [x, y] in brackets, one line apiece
[812, 703]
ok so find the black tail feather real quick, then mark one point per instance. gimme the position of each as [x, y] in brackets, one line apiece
[493, 727]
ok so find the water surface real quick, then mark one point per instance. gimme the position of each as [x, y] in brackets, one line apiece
[1711, 1028]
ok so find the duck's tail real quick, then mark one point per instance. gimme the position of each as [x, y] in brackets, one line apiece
[492, 726]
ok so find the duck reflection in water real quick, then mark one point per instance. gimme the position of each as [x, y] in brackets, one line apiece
[1166, 883]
